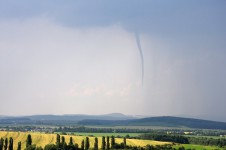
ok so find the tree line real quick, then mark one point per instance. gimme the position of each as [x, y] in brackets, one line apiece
[165, 137]
[220, 142]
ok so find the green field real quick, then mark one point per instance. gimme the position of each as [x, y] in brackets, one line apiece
[198, 147]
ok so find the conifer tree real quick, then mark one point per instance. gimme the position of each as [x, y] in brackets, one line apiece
[87, 143]
[71, 141]
[96, 143]
[103, 143]
[19, 146]
[58, 141]
[63, 143]
[82, 145]
[108, 143]
[1, 143]
[10, 143]
[28, 141]
[6, 144]
[112, 142]
[124, 142]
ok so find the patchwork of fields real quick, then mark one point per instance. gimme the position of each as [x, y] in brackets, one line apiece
[41, 139]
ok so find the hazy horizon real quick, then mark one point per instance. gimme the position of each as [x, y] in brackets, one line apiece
[117, 115]
[85, 57]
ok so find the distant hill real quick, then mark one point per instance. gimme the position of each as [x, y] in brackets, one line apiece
[114, 119]
[164, 121]
[60, 119]
[79, 117]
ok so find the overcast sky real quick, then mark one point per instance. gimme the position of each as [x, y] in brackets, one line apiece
[81, 57]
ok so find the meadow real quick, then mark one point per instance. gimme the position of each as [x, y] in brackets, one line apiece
[42, 139]
[197, 147]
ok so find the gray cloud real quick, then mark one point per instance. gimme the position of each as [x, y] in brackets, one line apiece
[78, 53]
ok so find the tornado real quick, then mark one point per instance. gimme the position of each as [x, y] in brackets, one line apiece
[141, 55]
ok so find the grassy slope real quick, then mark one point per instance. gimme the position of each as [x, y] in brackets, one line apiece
[41, 139]
[198, 147]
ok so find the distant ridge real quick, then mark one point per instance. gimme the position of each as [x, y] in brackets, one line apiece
[79, 117]
[163, 121]
[113, 119]
[72, 117]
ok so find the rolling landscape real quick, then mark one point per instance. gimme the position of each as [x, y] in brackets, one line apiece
[164, 132]
[115, 119]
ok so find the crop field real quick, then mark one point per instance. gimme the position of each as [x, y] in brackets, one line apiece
[41, 139]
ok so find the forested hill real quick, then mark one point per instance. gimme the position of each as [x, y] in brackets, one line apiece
[164, 121]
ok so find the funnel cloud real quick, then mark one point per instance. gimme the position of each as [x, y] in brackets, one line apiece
[141, 55]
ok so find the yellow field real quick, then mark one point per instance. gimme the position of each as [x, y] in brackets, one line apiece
[41, 139]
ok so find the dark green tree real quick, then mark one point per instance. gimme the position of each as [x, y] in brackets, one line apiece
[108, 143]
[124, 142]
[28, 141]
[181, 148]
[87, 143]
[71, 146]
[96, 143]
[6, 144]
[149, 147]
[112, 142]
[62, 139]
[57, 141]
[63, 143]
[82, 145]
[19, 146]
[1, 143]
[71, 141]
[10, 143]
[30, 147]
[76, 146]
[103, 145]
[50, 147]
[39, 148]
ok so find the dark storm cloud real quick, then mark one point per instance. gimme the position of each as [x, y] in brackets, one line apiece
[156, 17]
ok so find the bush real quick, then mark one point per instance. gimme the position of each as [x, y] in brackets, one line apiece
[50, 147]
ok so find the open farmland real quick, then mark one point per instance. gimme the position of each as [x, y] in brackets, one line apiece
[41, 139]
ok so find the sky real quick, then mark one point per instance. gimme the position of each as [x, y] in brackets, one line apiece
[83, 57]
